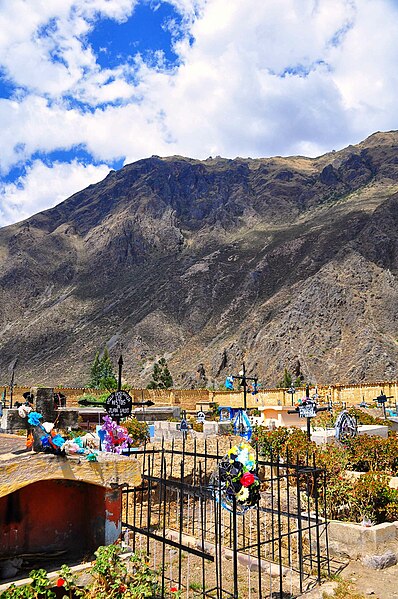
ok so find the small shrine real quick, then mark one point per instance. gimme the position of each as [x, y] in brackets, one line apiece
[59, 497]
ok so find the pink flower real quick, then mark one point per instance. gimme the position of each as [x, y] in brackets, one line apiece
[247, 479]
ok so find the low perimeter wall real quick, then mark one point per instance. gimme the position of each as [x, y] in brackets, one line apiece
[194, 399]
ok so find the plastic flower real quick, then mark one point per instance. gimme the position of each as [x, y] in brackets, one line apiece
[247, 479]
[243, 494]
[34, 418]
[57, 440]
[243, 456]
[116, 437]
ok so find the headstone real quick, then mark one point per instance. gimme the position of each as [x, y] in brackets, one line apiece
[45, 404]
[43, 399]
[200, 417]
[307, 409]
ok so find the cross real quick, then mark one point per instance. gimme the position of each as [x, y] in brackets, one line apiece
[243, 378]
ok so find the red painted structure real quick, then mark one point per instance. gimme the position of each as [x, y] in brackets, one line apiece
[59, 515]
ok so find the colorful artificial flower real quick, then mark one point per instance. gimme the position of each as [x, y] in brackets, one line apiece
[247, 479]
[236, 478]
[243, 494]
[116, 437]
[34, 418]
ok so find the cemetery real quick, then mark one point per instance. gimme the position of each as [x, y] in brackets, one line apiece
[222, 504]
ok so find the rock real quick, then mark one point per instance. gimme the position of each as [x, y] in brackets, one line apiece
[379, 562]
[325, 590]
[10, 567]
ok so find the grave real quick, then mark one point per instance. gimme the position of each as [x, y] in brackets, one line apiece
[157, 413]
[321, 435]
[43, 401]
[51, 503]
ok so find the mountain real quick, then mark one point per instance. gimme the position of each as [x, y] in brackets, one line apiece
[286, 262]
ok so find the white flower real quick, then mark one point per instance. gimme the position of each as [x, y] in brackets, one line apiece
[243, 494]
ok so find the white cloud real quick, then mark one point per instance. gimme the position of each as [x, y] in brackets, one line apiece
[42, 44]
[261, 77]
[43, 187]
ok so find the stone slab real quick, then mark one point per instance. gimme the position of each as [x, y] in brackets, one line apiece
[111, 469]
[325, 436]
[356, 541]
[157, 413]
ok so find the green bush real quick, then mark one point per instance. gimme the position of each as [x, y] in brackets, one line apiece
[366, 453]
[113, 578]
[138, 431]
[289, 443]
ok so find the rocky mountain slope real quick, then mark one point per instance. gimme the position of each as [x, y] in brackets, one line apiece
[285, 262]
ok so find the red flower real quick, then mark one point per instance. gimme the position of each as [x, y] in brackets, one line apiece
[60, 582]
[173, 590]
[247, 479]
[122, 588]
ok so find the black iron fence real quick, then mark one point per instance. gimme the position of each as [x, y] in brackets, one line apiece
[277, 549]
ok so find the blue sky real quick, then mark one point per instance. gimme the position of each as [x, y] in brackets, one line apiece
[90, 85]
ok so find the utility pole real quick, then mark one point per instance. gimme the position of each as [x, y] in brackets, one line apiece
[12, 368]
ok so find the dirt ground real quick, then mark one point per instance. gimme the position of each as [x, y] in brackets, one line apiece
[355, 581]
[378, 584]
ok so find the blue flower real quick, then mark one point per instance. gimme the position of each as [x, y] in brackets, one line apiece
[58, 440]
[34, 418]
[44, 441]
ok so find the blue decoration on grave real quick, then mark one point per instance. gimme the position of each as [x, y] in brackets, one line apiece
[242, 426]
[34, 418]
[229, 383]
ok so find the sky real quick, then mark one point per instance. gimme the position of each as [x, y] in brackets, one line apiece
[91, 85]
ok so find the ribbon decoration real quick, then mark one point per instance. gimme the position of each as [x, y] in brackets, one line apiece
[242, 426]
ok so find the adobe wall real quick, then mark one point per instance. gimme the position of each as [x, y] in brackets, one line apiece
[189, 399]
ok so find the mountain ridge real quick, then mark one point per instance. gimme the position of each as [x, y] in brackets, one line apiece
[281, 261]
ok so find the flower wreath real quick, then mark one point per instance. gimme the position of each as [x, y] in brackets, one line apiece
[236, 477]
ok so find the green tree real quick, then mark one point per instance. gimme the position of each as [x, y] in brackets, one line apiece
[101, 374]
[161, 376]
[95, 373]
[287, 380]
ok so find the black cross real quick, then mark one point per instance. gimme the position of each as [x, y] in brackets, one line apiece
[382, 400]
[243, 378]
[309, 401]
